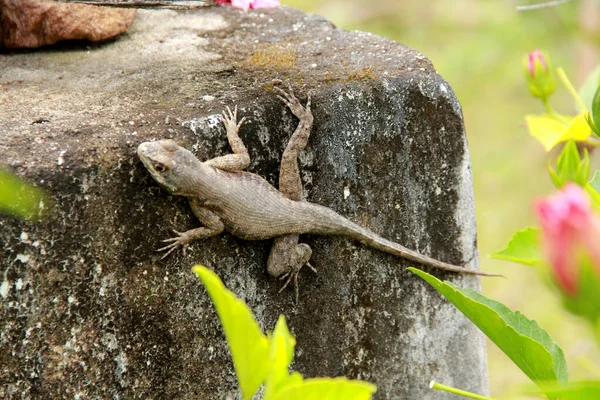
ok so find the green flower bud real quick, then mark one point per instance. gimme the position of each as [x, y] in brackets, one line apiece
[539, 74]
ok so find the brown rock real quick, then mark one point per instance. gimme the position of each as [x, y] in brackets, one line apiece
[35, 23]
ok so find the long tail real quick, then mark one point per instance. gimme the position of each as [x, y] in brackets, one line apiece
[328, 222]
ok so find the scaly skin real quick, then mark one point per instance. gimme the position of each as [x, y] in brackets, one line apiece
[226, 198]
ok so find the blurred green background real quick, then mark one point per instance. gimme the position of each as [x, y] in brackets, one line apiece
[478, 46]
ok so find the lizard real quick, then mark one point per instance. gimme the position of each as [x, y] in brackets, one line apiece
[224, 197]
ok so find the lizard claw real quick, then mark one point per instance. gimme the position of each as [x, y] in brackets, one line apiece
[172, 247]
[292, 274]
[230, 118]
[174, 243]
[290, 100]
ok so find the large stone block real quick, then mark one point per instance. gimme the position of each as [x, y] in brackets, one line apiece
[89, 309]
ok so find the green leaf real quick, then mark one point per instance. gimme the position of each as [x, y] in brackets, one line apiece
[328, 389]
[583, 171]
[587, 91]
[280, 385]
[524, 248]
[568, 163]
[521, 339]
[594, 195]
[249, 347]
[593, 189]
[583, 390]
[570, 167]
[20, 199]
[592, 125]
[281, 354]
[556, 180]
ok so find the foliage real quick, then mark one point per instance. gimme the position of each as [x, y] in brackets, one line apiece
[523, 248]
[521, 339]
[259, 359]
[570, 167]
[20, 199]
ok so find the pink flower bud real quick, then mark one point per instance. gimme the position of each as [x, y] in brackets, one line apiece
[533, 56]
[571, 234]
[539, 74]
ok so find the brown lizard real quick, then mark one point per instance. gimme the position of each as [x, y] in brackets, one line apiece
[226, 198]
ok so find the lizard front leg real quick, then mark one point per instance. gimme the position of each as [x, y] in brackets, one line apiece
[240, 159]
[287, 256]
[212, 226]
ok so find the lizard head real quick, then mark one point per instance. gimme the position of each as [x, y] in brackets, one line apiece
[172, 166]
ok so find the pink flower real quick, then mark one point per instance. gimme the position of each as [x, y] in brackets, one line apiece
[248, 4]
[571, 235]
[265, 3]
[533, 56]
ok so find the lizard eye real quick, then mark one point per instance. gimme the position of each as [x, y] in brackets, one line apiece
[160, 167]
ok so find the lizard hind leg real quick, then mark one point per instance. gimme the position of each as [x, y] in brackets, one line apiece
[287, 258]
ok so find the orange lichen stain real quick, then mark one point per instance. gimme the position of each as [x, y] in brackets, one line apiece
[274, 57]
[361, 74]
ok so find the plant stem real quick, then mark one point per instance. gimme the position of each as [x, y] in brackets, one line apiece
[565, 80]
[549, 108]
[553, 113]
[450, 389]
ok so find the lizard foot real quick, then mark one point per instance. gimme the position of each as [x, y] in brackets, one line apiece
[292, 274]
[180, 241]
[230, 120]
[299, 259]
[290, 100]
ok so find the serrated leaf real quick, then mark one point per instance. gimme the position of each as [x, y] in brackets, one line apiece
[523, 247]
[328, 389]
[248, 345]
[21, 199]
[587, 91]
[521, 339]
[548, 130]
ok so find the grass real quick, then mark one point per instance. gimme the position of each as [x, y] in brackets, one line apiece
[478, 47]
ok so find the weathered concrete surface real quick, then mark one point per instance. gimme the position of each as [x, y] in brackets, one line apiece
[88, 308]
